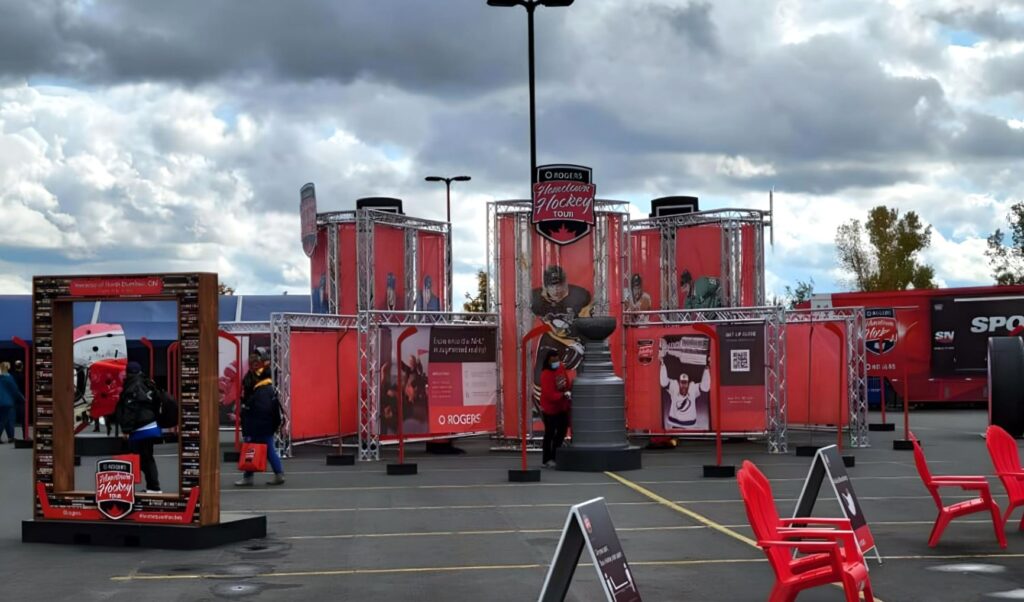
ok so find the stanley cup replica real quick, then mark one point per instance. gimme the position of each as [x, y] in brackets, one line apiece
[598, 407]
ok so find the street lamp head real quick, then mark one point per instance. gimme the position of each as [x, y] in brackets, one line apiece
[433, 179]
[555, 3]
[461, 179]
[505, 3]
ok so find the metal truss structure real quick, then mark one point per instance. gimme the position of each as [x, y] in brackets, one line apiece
[281, 327]
[521, 212]
[854, 325]
[774, 321]
[736, 224]
[244, 328]
[368, 325]
[365, 220]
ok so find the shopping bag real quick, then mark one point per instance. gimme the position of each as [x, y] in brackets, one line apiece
[134, 459]
[253, 457]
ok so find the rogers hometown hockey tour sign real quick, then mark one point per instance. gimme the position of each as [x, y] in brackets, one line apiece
[563, 202]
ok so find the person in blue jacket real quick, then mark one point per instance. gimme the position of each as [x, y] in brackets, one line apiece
[10, 398]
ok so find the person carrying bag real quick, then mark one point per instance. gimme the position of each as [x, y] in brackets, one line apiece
[261, 419]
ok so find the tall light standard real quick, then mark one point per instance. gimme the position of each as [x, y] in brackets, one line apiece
[448, 188]
[530, 5]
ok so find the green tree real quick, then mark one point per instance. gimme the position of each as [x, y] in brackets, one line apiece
[1007, 261]
[801, 293]
[478, 303]
[883, 254]
[224, 289]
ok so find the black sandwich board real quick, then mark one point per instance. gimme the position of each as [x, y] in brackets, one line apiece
[828, 462]
[589, 524]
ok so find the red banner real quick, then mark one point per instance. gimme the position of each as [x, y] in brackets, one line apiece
[116, 287]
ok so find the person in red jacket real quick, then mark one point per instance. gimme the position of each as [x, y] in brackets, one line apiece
[555, 403]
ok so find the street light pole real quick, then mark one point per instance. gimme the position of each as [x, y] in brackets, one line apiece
[530, 5]
[448, 189]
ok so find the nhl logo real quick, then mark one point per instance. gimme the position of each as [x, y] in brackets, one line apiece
[563, 202]
[645, 351]
[115, 488]
[882, 331]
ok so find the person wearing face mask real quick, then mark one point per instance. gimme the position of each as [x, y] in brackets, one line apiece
[555, 402]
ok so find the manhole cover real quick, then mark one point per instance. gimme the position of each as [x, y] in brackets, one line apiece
[236, 590]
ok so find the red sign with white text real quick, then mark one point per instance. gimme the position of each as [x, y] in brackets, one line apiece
[116, 287]
[563, 202]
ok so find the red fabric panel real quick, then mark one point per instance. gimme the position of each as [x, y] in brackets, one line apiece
[699, 250]
[430, 262]
[509, 338]
[317, 379]
[822, 349]
[388, 257]
[347, 274]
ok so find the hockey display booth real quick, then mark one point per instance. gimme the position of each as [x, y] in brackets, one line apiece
[542, 276]
[370, 259]
[670, 373]
[697, 260]
[57, 499]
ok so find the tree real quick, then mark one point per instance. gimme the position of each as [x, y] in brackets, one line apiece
[882, 255]
[478, 303]
[224, 289]
[1007, 262]
[800, 294]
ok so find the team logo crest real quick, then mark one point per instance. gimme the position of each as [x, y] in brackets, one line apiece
[307, 213]
[882, 331]
[115, 488]
[563, 202]
[645, 351]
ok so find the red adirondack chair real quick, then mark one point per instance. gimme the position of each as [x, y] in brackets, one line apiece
[947, 513]
[834, 552]
[1003, 450]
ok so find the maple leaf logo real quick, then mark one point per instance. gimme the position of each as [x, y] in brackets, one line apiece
[563, 234]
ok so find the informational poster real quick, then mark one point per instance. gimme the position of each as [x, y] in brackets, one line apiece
[741, 365]
[590, 526]
[685, 381]
[446, 377]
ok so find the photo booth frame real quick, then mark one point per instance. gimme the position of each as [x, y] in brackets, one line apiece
[55, 495]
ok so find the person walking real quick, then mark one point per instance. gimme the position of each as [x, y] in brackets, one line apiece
[18, 373]
[10, 398]
[137, 411]
[261, 418]
[555, 404]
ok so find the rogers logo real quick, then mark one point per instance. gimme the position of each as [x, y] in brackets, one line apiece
[994, 323]
[459, 419]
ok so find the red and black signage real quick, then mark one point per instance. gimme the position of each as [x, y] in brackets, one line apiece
[563, 202]
[882, 330]
[116, 287]
[115, 488]
[962, 326]
[645, 351]
[307, 213]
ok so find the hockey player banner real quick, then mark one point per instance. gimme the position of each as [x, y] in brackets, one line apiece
[430, 260]
[699, 267]
[388, 268]
[644, 293]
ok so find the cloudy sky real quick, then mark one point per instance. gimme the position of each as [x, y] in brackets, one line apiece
[140, 136]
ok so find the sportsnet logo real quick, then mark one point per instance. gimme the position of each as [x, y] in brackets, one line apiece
[115, 488]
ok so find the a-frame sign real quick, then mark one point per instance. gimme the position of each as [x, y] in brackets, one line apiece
[828, 462]
[589, 524]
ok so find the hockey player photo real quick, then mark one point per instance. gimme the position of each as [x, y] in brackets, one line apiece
[685, 382]
[638, 299]
[703, 293]
[558, 303]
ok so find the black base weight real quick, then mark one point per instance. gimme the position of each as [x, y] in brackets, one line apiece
[849, 461]
[598, 460]
[530, 475]
[807, 451]
[714, 471]
[401, 469]
[444, 448]
[882, 426]
[231, 456]
[233, 528]
[903, 445]
[22, 444]
[340, 460]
